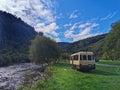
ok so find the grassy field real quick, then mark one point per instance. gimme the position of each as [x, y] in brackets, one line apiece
[110, 62]
[65, 78]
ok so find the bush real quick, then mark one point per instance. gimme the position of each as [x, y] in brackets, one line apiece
[44, 50]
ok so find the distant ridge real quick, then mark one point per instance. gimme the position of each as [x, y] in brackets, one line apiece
[94, 44]
[63, 43]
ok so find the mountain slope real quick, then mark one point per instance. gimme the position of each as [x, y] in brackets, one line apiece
[111, 47]
[15, 36]
[63, 43]
[94, 44]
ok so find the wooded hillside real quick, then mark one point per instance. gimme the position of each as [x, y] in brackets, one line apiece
[15, 37]
[111, 49]
[94, 44]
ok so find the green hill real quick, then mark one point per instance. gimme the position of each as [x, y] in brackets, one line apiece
[94, 44]
[111, 48]
[15, 37]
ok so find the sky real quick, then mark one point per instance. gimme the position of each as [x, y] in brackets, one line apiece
[66, 20]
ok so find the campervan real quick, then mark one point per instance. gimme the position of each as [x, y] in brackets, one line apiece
[82, 60]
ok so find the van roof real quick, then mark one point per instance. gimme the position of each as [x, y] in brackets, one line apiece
[82, 52]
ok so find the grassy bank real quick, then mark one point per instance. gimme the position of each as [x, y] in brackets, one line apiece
[65, 78]
[110, 62]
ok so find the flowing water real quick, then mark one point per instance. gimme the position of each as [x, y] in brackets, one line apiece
[12, 77]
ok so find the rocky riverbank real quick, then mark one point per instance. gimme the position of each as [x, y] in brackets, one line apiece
[12, 77]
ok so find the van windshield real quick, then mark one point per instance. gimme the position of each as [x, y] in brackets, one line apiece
[76, 57]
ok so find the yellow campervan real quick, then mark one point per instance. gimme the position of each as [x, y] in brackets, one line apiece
[82, 60]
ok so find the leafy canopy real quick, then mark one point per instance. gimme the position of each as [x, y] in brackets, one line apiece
[43, 50]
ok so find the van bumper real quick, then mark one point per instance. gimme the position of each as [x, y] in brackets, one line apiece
[87, 67]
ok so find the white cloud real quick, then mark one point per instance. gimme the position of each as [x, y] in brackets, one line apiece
[85, 31]
[67, 25]
[74, 26]
[74, 15]
[84, 25]
[37, 13]
[69, 34]
[49, 29]
[109, 16]
[57, 39]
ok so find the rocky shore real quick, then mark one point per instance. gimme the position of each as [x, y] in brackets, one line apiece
[12, 77]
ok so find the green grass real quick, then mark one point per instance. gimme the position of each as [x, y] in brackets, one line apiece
[110, 62]
[65, 78]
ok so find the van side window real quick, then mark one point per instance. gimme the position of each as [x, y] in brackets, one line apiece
[89, 57]
[76, 57]
[84, 57]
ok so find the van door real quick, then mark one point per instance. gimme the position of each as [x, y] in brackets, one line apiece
[91, 59]
[83, 60]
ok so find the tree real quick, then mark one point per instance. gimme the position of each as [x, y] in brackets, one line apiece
[44, 50]
[65, 56]
[111, 48]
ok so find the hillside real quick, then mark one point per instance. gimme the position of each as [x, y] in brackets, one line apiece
[111, 47]
[15, 36]
[105, 46]
[94, 44]
[63, 43]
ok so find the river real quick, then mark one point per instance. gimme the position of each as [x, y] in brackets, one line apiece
[12, 77]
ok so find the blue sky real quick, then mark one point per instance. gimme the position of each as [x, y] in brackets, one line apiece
[66, 20]
[100, 12]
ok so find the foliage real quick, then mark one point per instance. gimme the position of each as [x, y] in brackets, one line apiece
[111, 49]
[65, 78]
[44, 50]
[65, 56]
[15, 37]
[10, 58]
